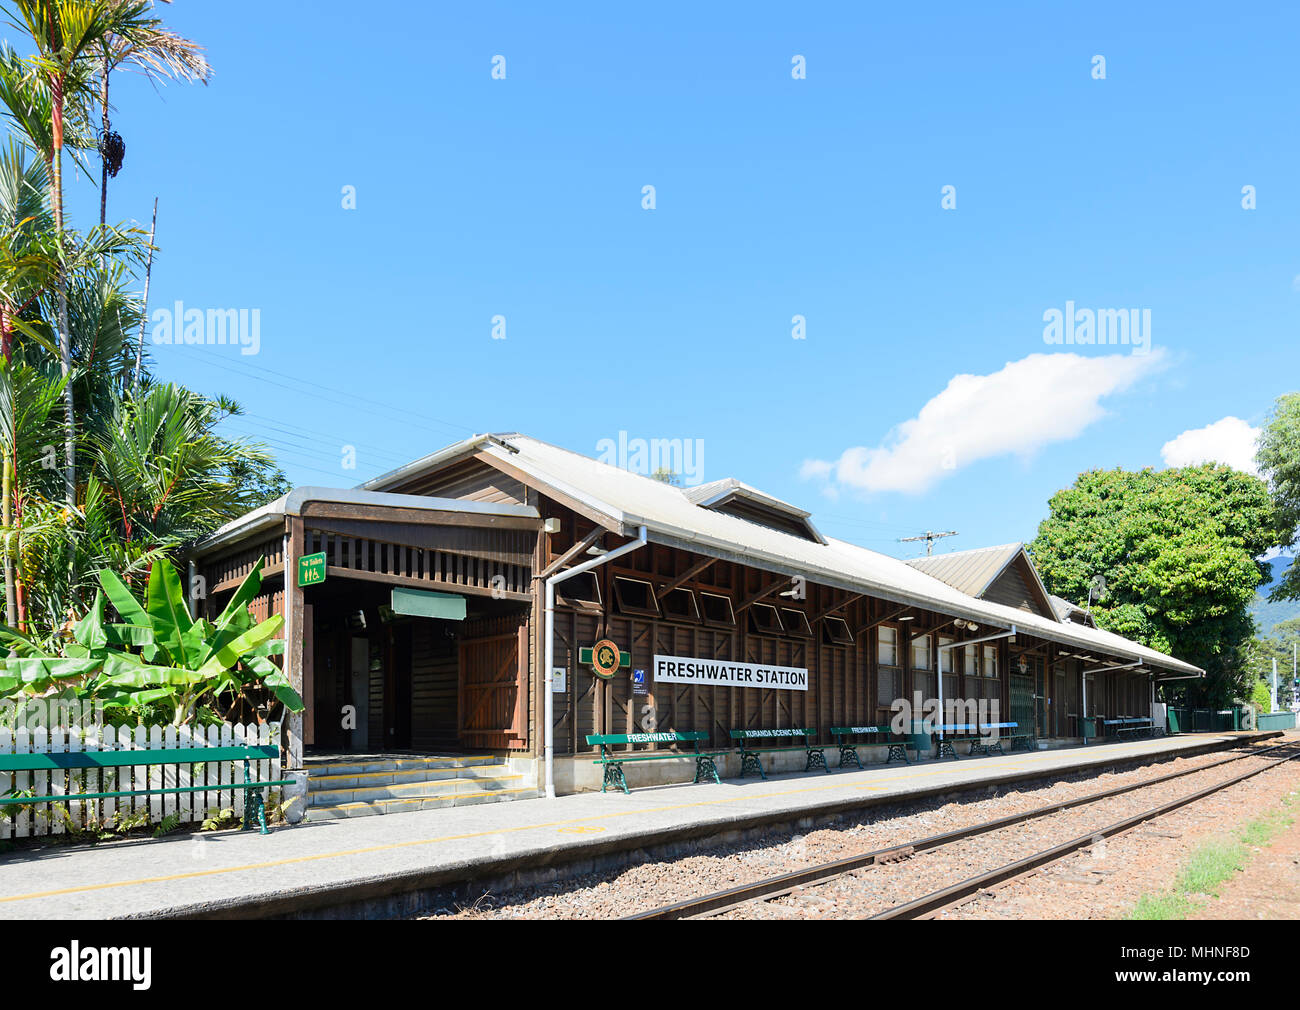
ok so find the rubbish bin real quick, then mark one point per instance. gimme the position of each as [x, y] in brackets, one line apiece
[920, 740]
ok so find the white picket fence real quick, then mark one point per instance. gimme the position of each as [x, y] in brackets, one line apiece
[220, 776]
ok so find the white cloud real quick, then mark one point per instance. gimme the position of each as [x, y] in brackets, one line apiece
[1230, 440]
[1030, 403]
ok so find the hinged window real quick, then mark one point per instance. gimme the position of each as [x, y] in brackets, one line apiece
[717, 610]
[763, 618]
[796, 622]
[635, 596]
[680, 605]
[837, 631]
[582, 590]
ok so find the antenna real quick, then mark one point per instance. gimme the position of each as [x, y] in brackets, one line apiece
[929, 537]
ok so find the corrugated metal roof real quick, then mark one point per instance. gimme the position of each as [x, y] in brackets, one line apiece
[971, 572]
[272, 514]
[630, 500]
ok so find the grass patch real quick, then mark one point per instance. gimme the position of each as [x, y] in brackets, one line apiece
[1213, 863]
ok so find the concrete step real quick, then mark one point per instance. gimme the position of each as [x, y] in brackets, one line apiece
[360, 780]
[429, 789]
[396, 805]
[362, 765]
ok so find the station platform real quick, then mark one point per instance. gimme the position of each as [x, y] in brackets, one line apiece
[380, 866]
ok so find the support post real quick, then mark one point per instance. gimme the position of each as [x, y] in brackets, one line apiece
[293, 635]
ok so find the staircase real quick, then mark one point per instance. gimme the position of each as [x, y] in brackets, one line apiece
[363, 784]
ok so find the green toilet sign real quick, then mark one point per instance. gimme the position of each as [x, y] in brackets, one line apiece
[311, 569]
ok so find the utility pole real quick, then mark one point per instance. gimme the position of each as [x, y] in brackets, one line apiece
[930, 537]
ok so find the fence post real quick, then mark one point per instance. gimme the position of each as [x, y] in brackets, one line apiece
[6, 747]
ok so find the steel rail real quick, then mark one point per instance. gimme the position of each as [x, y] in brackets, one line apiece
[943, 897]
[773, 887]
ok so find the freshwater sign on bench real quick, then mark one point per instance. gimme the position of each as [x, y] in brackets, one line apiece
[723, 673]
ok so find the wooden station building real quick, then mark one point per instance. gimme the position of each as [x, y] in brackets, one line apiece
[422, 626]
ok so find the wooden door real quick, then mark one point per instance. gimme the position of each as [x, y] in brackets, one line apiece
[494, 690]
[397, 688]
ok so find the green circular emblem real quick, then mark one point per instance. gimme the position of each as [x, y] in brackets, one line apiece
[604, 658]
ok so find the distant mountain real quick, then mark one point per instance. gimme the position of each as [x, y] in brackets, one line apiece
[1267, 614]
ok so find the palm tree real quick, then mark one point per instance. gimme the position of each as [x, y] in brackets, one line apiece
[158, 53]
[27, 263]
[67, 35]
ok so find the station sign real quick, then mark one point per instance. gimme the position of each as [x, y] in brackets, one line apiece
[721, 673]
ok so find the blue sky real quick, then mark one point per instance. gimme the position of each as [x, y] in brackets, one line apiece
[774, 197]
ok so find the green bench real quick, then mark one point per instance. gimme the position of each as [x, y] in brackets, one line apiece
[849, 749]
[991, 736]
[959, 731]
[254, 791]
[613, 761]
[1131, 725]
[749, 760]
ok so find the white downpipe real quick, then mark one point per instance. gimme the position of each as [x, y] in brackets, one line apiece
[1010, 633]
[1083, 717]
[568, 573]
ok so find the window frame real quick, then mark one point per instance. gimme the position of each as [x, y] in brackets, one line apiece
[577, 602]
[843, 636]
[631, 610]
[693, 617]
[712, 622]
[757, 627]
[802, 628]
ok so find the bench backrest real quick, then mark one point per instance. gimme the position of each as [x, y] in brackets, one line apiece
[1001, 725]
[129, 758]
[851, 730]
[961, 727]
[760, 734]
[614, 739]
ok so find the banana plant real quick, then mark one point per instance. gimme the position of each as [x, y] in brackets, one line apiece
[157, 657]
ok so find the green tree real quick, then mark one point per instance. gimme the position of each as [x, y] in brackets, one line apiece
[1177, 549]
[1282, 643]
[69, 36]
[1278, 456]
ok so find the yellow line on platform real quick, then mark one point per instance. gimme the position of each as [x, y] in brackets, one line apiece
[391, 846]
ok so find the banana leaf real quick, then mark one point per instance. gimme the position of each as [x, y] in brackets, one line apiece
[228, 655]
[89, 631]
[165, 603]
[31, 669]
[125, 604]
[276, 682]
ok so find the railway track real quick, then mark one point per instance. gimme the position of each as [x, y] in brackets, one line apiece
[770, 888]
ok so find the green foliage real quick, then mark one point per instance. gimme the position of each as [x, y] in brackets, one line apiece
[158, 663]
[149, 470]
[219, 820]
[167, 825]
[1177, 548]
[1261, 697]
[1280, 645]
[1278, 456]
